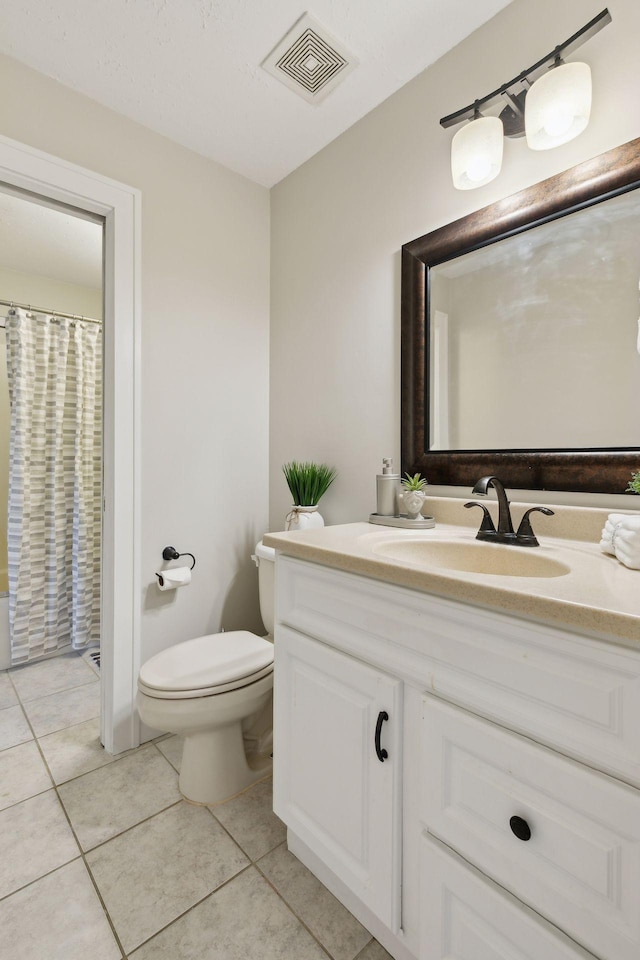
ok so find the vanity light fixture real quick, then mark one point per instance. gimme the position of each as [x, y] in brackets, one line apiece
[558, 105]
[476, 152]
[549, 101]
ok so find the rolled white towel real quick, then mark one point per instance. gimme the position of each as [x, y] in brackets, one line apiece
[609, 532]
[626, 542]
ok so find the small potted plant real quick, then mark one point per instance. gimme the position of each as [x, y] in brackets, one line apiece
[634, 483]
[413, 494]
[308, 482]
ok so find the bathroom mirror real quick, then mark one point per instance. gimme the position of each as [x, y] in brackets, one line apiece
[520, 336]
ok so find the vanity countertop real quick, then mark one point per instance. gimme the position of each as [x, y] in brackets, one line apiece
[598, 596]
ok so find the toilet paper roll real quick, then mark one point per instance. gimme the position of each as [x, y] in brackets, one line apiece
[173, 578]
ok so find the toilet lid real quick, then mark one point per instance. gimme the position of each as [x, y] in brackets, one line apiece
[218, 659]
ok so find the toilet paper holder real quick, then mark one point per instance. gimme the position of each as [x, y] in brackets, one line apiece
[170, 553]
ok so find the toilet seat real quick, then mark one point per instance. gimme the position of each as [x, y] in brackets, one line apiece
[207, 666]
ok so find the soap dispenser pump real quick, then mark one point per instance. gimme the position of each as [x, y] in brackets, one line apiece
[387, 486]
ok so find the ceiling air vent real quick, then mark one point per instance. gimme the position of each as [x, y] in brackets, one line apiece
[309, 61]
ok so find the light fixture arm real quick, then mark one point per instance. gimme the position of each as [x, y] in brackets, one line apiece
[530, 75]
[515, 103]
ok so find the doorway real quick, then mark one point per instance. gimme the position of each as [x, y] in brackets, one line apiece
[51, 305]
[51, 180]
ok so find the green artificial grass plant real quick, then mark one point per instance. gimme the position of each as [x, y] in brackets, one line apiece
[308, 481]
[634, 483]
[415, 482]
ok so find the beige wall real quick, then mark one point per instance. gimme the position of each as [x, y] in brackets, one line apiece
[24, 287]
[205, 328]
[339, 221]
[42, 292]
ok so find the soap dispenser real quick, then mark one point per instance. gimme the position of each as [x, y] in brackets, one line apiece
[387, 486]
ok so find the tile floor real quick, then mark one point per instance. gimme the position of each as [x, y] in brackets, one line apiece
[100, 856]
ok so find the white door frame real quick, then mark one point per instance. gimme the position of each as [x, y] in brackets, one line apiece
[29, 169]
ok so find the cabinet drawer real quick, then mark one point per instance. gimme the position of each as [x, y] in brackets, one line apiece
[465, 916]
[577, 695]
[580, 867]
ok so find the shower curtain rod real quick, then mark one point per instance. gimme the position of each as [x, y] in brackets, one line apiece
[53, 313]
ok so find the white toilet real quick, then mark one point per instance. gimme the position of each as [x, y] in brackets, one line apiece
[216, 692]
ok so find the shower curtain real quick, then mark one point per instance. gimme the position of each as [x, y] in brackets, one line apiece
[55, 483]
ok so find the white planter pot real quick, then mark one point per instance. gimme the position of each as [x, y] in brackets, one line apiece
[413, 500]
[303, 518]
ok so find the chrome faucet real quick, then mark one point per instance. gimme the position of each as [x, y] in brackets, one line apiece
[525, 536]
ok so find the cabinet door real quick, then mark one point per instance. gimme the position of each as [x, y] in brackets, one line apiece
[331, 787]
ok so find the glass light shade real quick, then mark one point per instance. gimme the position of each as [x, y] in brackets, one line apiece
[476, 153]
[558, 106]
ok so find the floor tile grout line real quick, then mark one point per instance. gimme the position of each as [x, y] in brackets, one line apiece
[83, 854]
[103, 843]
[75, 837]
[251, 863]
[222, 825]
[210, 893]
[55, 693]
[86, 865]
[24, 886]
[43, 736]
[366, 946]
[291, 910]
[165, 757]
[69, 727]
[275, 890]
[229, 834]
[19, 744]
[236, 841]
[52, 657]
[101, 901]
[116, 756]
[24, 715]
[10, 806]
[256, 863]
[194, 905]
[13, 686]
[41, 754]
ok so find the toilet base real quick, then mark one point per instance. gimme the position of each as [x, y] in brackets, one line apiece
[214, 765]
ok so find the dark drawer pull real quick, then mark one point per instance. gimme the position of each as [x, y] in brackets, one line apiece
[381, 752]
[520, 828]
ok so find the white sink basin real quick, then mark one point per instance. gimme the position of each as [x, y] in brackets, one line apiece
[474, 556]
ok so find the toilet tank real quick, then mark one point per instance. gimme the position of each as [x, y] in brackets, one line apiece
[265, 558]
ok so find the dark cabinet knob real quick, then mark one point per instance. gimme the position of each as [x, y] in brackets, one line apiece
[520, 828]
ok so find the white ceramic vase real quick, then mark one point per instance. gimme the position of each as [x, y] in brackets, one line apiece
[303, 518]
[413, 500]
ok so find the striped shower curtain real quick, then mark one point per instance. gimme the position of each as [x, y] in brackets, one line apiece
[54, 369]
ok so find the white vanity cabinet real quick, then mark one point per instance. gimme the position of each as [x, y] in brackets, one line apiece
[491, 718]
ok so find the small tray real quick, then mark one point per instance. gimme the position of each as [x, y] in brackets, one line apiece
[402, 520]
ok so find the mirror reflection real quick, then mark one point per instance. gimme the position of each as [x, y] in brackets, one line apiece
[534, 339]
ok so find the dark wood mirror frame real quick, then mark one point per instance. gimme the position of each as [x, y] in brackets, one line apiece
[594, 471]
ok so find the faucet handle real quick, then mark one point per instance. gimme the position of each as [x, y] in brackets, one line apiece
[487, 528]
[525, 535]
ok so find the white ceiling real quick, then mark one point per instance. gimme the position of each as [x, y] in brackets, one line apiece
[190, 69]
[39, 240]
